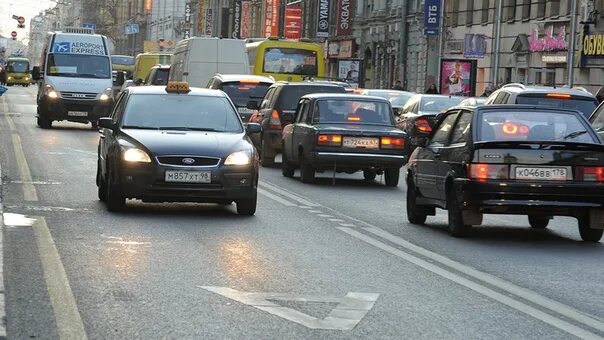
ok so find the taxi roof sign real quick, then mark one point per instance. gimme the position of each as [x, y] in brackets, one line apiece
[178, 87]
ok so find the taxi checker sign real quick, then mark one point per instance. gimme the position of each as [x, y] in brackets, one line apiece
[323, 19]
[77, 47]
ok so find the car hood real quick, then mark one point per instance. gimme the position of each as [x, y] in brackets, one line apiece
[191, 143]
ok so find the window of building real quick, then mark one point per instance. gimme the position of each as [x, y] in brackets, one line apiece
[526, 9]
[510, 10]
[455, 13]
[554, 7]
[470, 13]
[360, 6]
[485, 11]
[541, 8]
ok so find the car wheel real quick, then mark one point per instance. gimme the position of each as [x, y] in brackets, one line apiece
[94, 125]
[415, 213]
[267, 160]
[369, 175]
[391, 176]
[307, 172]
[538, 222]
[101, 184]
[115, 199]
[286, 168]
[588, 234]
[456, 226]
[42, 121]
[247, 207]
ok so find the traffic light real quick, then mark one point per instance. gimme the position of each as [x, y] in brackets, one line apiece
[161, 44]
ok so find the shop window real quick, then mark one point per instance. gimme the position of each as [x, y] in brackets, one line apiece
[485, 11]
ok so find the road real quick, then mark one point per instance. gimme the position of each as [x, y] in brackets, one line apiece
[332, 260]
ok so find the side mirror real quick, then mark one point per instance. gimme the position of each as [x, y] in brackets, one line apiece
[120, 78]
[251, 128]
[252, 105]
[35, 73]
[397, 111]
[107, 123]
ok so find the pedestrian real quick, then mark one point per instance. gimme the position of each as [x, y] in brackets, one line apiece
[432, 89]
[487, 91]
[397, 85]
[2, 75]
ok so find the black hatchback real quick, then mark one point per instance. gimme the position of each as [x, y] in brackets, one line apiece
[509, 159]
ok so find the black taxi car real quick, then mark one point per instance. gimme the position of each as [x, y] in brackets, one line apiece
[509, 159]
[345, 133]
[176, 144]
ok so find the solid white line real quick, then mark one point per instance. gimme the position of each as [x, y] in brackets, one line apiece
[506, 300]
[276, 198]
[29, 190]
[288, 194]
[67, 316]
[2, 291]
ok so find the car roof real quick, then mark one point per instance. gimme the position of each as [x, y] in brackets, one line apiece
[238, 77]
[517, 88]
[304, 83]
[162, 66]
[346, 96]
[424, 95]
[161, 89]
[386, 91]
[515, 107]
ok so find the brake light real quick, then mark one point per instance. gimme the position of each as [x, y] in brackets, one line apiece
[392, 143]
[353, 118]
[511, 128]
[483, 171]
[249, 82]
[423, 125]
[558, 95]
[590, 173]
[274, 122]
[329, 140]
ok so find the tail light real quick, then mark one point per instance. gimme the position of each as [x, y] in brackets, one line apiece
[392, 143]
[484, 171]
[590, 173]
[511, 128]
[329, 140]
[423, 125]
[274, 122]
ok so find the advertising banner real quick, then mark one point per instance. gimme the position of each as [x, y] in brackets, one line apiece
[323, 19]
[344, 18]
[475, 46]
[293, 22]
[458, 77]
[351, 71]
[201, 16]
[209, 22]
[236, 20]
[246, 18]
[271, 18]
[432, 17]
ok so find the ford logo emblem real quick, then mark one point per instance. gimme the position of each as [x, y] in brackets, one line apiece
[188, 161]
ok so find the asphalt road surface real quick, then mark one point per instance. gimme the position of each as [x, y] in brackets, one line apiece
[332, 260]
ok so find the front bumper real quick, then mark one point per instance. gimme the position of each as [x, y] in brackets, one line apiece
[73, 109]
[12, 80]
[355, 160]
[147, 182]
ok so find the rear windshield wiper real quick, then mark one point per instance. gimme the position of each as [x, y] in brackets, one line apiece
[574, 134]
[140, 127]
[184, 128]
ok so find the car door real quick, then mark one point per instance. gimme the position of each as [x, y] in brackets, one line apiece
[107, 136]
[288, 134]
[454, 154]
[300, 133]
[429, 157]
[258, 116]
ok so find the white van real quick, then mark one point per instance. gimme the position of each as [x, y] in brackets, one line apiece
[197, 59]
[74, 78]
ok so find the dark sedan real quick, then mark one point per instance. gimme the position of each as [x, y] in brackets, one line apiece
[345, 133]
[509, 159]
[175, 144]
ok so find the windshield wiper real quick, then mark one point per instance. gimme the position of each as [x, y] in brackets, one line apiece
[139, 127]
[184, 128]
[574, 134]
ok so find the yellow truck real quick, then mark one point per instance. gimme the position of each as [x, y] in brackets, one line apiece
[145, 61]
[17, 71]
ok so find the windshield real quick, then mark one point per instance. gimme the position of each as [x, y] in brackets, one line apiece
[533, 126]
[400, 100]
[122, 60]
[17, 66]
[352, 111]
[584, 105]
[241, 93]
[290, 61]
[438, 104]
[78, 66]
[161, 77]
[164, 59]
[152, 111]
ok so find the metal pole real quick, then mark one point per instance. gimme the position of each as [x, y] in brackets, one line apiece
[571, 47]
[403, 45]
[441, 42]
[497, 43]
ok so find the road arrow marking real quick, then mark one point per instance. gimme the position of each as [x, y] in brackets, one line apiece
[344, 317]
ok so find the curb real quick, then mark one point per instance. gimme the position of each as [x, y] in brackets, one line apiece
[3, 320]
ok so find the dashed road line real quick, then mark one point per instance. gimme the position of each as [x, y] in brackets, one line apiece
[275, 198]
[29, 190]
[288, 194]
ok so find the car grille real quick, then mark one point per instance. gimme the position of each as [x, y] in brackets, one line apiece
[186, 161]
[78, 95]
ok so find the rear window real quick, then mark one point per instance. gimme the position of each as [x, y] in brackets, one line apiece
[240, 93]
[352, 111]
[161, 77]
[533, 126]
[438, 104]
[584, 105]
[290, 95]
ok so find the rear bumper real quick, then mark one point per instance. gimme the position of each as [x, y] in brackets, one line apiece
[70, 109]
[325, 159]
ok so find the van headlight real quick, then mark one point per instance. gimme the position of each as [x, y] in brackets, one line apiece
[238, 158]
[107, 94]
[50, 92]
[136, 155]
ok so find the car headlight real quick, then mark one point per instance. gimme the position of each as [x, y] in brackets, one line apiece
[107, 94]
[26, 78]
[10, 78]
[136, 155]
[50, 92]
[238, 158]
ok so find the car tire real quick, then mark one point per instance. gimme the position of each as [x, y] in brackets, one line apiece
[247, 207]
[42, 121]
[101, 184]
[415, 213]
[538, 222]
[369, 175]
[588, 234]
[391, 177]
[94, 125]
[457, 228]
[266, 159]
[307, 172]
[115, 199]
[286, 168]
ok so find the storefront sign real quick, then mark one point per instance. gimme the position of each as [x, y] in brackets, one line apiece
[553, 58]
[549, 42]
[236, 20]
[246, 18]
[593, 45]
[432, 17]
[271, 18]
[293, 22]
[323, 19]
[209, 21]
[344, 18]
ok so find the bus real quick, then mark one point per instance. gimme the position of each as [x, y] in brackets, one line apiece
[286, 59]
[17, 71]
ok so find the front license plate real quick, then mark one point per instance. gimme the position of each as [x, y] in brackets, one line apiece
[245, 110]
[538, 173]
[361, 142]
[188, 176]
[77, 113]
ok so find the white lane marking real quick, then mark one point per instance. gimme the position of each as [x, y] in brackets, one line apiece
[288, 194]
[275, 198]
[347, 225]
[2, 291]
[303, 207]
[315, 211]
[29, 190]
[336, 220]
[17, 220]
[477, 287]
[85, 152]
[44, 208]
[11, 123]
[325, 215]
[344, 317]
[526, 294]
[67, 316]
[34, 182]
